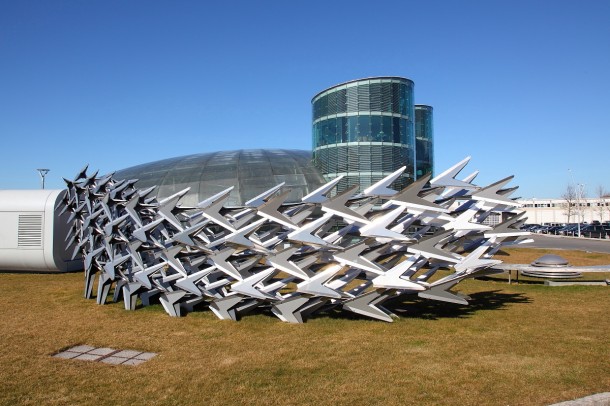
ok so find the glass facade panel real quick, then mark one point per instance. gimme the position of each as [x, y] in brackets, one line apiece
[339, 129]
[344, 129]
[386, 130]
[404, 138]
[364, 128]
[376, 131]
[353, 129]
[396, 129]
[332, 131]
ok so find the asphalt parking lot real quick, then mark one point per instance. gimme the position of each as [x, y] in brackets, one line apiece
[569, 243]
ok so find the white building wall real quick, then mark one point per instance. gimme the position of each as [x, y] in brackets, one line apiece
[541, 211]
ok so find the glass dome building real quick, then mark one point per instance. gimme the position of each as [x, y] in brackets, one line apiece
[424, 140]
[251, 172]
[364, 129]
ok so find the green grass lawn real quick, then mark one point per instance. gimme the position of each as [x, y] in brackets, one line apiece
[514, 345]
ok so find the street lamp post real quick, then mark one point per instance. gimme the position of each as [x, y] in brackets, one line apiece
[581, 193]
[43, 173]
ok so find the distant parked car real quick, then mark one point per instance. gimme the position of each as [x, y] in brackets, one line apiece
[554, 229]
[572, 229]
[565, 229]
[595, 231]
[530, 227]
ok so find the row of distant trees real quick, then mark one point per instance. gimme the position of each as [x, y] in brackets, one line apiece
[573, 195]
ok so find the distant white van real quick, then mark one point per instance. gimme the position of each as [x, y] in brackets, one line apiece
[33, 233]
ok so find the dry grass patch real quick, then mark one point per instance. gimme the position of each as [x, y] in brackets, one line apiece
[515, 344]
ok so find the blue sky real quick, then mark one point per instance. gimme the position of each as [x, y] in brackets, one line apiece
[522, 86]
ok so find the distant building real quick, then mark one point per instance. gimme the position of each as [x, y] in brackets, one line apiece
[547, 211]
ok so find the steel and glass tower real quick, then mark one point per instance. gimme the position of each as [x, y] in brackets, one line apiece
[364, 129]
[424, 141]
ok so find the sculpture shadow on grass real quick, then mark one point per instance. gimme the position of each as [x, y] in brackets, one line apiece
[405, 307]
[411, 306]
[415, 307]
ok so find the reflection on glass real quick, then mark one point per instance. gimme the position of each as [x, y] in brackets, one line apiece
[376, 132]
[353, 125]
[386, 129]
[364, 128]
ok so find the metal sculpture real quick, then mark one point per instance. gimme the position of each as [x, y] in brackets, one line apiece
[349, 251]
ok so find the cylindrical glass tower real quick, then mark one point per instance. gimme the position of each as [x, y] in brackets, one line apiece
[424, 141]
[364, 129]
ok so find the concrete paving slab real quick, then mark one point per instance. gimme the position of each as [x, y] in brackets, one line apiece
[106, 355]
[88, 357]
[81, 348]
[127, 354]
[102, 351]
[145, 356]
[67, 354]
[113, 360]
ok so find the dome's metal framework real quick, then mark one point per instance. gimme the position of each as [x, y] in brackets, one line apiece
[249, 171]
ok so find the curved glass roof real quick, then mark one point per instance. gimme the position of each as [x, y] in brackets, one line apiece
[251, 172]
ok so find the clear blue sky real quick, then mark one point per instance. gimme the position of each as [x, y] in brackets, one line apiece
[521, 86]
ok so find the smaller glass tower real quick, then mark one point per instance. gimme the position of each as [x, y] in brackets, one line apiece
[424, 141]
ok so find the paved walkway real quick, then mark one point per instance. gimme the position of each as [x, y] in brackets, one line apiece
[601, 399]
[568, 243]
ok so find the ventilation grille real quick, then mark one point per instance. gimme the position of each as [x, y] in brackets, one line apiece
[29, 233]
